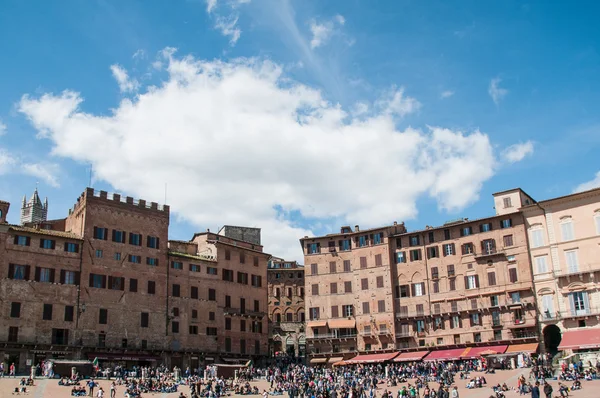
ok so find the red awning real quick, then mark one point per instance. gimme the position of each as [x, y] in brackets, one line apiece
[445, 355]
[476, 352]
[580, 339]
[410, 356]
[372, 358]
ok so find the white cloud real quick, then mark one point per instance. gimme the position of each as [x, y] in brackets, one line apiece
[322, 31]
[126, 84]
[6, 161]
[210, 5]
[240, 143]
[139, 54]
[446, 94]
[47, 172]
[495, 91]
[228, 27]
[586, 186]
[517, 152]
[2, 128]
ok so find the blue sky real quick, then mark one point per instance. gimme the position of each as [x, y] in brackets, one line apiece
[299, 116]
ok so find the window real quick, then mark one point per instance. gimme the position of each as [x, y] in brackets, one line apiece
[332, 267]
[22, 240]
[60, 336]
[227, 275]
[333, 288]
[414, 240]
[103, 316]
[507, 223]
[227, 323]
[436, 287]
[363, 262]
[415, 255]
[380, 281]
[400, 257]
[176, 265]
[364, 284]
[211, 316]
[597, 220]
[314, 269]
[116, 283]
[515, 297]
[362, 241]
[314, 313]
[402, 291]
[174, 327]
[100, 233]
[467, 248]
[194, 292]
[145, 319]
[348, 310]
[345, 245]
[431, 237]
[44, 274]
[102, 340]
[475, 321]
[466, 231]
[118, 236]
[47, 244]
[477, 337]
[211, 271]
[537, 237]
[15, 310]
[194, 268]
[347, 266]
[335, 311]
[315, 289]
[485, 227]
[227, 344]
[494, 301]
[432, 252]
[242, 277]
[175, 311]
[508, 240]
[452, 284]
[378, 238]
[71, 247]
[420, 326]
[572, 261]
[438, 323]
[512, 275]
[134, 259]
[447, 234]
[378, 261]
[47, 312]
[418, 289]
[98, 281]
[381, 306]
[507, 202]
[541, 264]
[449, 249]
[98, 253]
[118, 256]
[313, 248]
[488, 246]
[256, 280]
[471, 282]
[152, 242]
[135, 239]
[212, 295]
[151, 287]
[456, 323]
[133, 283]
[348, 287]
[13, 334]
[123, 343]
[365, 308]
[451, 270]
[491, 278]
[434, 273]
[566, 229]
[211, 331]
[176, 290]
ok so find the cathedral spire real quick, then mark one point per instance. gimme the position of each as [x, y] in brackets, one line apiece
[34, 211]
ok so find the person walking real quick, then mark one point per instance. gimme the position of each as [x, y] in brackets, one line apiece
[12, 370]
[113, 390]
[454, 392]
[548, 390]
[535, 390]
[100, 393]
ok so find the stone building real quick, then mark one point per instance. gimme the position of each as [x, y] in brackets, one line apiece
[110, 285]
[564, 242]
[34, 211]
[287, 321]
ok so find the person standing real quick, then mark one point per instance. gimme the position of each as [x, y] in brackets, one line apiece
[113, 390]
[454, 392]
[548, 390]
[12, 370]
[100, 393]
[91, 385]
[535, 390]
[1, 369]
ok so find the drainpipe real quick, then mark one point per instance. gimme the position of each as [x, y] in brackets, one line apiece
[79, 296]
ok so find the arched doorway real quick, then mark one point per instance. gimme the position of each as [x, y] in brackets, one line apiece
[552, 338]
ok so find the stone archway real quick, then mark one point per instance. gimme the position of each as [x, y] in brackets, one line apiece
[552, 338]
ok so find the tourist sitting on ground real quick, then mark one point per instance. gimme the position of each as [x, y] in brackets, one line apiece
[77, 391]
[576, 385]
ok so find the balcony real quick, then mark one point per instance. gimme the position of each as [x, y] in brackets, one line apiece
[421, 334]
[403, 334]
[412, 314]
[488, 253]
[581, 313]
[550, 316]
[333, 336]
[435, 276]
[580, 270]
[496, 323]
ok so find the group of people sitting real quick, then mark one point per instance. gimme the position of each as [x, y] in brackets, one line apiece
[78, 391]
[477, 382]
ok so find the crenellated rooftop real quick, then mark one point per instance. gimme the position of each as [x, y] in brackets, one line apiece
[98, 195]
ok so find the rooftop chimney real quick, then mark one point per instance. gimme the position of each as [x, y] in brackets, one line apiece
[356, 229]
[395, 222]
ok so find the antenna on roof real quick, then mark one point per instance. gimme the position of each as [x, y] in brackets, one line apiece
[91, 172]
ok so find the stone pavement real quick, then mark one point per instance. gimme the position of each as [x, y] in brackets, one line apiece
[51, 389]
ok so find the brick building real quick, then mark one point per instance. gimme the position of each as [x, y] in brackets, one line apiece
[466, 283]
[287, 320]
[105, 282]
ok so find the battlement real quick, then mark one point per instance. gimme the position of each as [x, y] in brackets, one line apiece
[91, 195]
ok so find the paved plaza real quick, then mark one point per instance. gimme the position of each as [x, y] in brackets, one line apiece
[50, 388]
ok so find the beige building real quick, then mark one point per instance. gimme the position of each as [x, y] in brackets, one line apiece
[564, 241]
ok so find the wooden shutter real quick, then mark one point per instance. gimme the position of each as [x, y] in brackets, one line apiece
[491, 278]
[16, 239]
[512, 272]
[148, 241]
[62, 276]
[363, 262]
[52, 275]
[378, 260]
[110, 282]
[122, 283]
[42, 243]
[477, 281]
[434, 272]
[423, 288]
[77, 278]
[453, 248]
[11, 271]
[66, 246]
[412, 290]
[95, 232]
[28, 241]
[466, 282]
[103, 281]
[37, 274]
[91, 280]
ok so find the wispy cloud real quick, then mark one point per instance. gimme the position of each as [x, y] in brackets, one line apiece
[139, 54]
[586, 186]
[446, 94]
[2, 128]
[47, 172]
[322, 31]
[228, 27]
[210, 5]
[517, 152]
[126, 84]
[495, 91]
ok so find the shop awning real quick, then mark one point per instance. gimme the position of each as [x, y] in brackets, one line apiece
[335, 359]
[340, 363]
[525, 348]
[318, 360]
[317, 324]
[476, 352]
[580, 339]
[105, 356]
[445, 355]
[373, 358]
[410, 356]
[341, 324]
